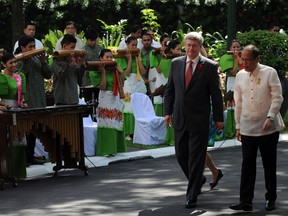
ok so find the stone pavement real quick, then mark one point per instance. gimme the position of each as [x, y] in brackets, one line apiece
[152, 186]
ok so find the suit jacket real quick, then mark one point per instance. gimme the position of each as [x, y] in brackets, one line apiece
[191, 107]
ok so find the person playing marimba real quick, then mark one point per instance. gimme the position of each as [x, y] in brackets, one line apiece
[12, 85]
[36, 69]
[12, 90]
[110, 132]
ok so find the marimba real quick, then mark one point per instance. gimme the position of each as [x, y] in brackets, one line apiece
[60, 129]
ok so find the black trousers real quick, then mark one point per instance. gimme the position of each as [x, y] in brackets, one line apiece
[190, 149]
[268, 148]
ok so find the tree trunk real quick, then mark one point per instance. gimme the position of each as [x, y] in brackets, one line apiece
[17, 20]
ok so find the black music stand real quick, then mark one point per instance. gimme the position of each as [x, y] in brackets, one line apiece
[90, 95]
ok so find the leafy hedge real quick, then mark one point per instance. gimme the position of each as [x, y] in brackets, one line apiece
[273, 47]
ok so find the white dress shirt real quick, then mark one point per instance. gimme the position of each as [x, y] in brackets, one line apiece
[38, 44]
[154, 44]
[79, 44]
[122, 45]
[195, 62]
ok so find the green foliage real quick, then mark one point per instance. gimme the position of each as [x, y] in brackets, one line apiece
[51, 39]
[216, 44]
[113, 33]
[53, 14]
[149, 20]
[273, 47]
[182, 30]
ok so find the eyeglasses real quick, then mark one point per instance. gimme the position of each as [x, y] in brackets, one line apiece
[247, 60]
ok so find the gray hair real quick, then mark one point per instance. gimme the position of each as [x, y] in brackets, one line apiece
[255, 51]
[194, 36]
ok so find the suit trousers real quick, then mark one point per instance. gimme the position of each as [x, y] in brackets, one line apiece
[267, 145]
[190, 149]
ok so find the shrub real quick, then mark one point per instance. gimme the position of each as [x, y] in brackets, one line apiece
[113, 33]
[273, 47]
[52, 37]
[216, 44]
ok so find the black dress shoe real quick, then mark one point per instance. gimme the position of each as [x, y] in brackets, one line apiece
[190, 204]
[242, 206]
[270, 205]
[219, 176]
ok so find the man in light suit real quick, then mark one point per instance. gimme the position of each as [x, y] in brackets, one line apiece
[258, 98]
[190, 90]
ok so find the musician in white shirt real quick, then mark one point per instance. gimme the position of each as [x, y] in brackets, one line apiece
[136, 32]
[70, 28]
[30, 30]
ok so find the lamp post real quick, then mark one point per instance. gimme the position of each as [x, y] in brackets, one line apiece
[231, 22]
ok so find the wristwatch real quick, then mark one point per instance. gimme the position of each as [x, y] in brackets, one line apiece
[270, 118]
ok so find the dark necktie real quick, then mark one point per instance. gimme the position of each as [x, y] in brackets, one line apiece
[188, 74]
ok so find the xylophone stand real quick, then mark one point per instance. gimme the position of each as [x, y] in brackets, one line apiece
[6, 155]
[63, 156]
[94, 104]
[90, 161]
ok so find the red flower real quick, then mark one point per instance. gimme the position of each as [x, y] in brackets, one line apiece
[199, 66]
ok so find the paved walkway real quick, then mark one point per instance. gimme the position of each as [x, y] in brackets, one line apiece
[147, 187]
[36, 171]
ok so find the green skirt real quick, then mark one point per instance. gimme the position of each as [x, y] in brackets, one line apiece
[170, 136]
[110, 141]
[230, 125]
[158, 109]
[129, 123]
